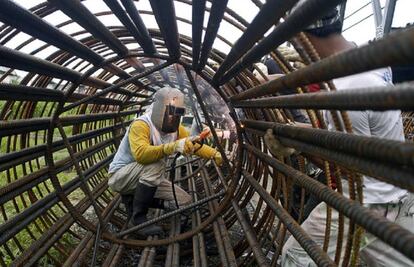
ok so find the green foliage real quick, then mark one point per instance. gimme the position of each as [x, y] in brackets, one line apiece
[22, 202]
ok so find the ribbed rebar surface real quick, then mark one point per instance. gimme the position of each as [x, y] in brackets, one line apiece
[87, 69]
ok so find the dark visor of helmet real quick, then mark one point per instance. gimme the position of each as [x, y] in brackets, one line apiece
[172, 117]
[173, 110]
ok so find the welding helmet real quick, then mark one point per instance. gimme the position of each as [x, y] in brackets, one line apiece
[167, 109]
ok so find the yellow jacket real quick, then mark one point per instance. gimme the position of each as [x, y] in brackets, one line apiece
[145, 153]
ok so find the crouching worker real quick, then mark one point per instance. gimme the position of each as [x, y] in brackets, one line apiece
[138, 169]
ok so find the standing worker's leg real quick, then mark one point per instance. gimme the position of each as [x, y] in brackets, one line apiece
[294, 255]
[378, 254]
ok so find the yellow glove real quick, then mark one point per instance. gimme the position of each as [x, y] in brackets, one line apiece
[207, 152]
[218, 159]
[183, 146]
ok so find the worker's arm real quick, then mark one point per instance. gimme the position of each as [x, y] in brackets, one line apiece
[145, 153]
[141, 148]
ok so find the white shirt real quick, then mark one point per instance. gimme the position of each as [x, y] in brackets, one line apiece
[387, 125]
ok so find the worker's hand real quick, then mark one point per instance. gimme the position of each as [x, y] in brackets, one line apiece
[206, 133]
[262, 68]
[275, 147]
[298, 65]
[289, 54]
[218, 159]
[183, 146]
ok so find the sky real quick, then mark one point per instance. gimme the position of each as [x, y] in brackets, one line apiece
[365, 31]
[360, 34]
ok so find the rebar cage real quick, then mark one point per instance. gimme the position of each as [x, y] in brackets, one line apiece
[80, 89]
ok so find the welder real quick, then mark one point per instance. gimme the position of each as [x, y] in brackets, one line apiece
[138, 169]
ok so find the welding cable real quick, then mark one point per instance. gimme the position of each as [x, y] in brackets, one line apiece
[172, 177]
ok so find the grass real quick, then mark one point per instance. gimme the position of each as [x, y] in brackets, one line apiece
[20, 203]
[15, 206]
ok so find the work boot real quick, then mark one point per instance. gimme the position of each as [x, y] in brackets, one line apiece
[127, 200]
[143, 197]
[170, 205]
[167, 205]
